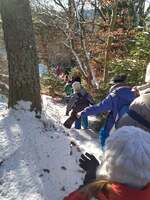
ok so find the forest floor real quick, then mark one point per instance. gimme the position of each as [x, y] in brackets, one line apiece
[39, 157]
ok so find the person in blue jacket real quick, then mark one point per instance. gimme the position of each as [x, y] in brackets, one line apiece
[116, 104]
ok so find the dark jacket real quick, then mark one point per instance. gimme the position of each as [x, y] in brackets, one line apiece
[79, 101]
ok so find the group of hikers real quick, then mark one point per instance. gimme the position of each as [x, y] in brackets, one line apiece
[60, 71]
[124, 172]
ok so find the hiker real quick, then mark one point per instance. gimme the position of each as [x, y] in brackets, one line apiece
[145, 88]
[138, 114]
[124, 173]
[68, 88]
[116, 104]
[58, 69]
[79, 100]
[66, 78]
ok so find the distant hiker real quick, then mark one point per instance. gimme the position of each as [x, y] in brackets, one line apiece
[68, 88]
[58, 69]
[124, 173]
[116, 104]
[79, 100]
[145, 88]
[66, 78]
[53, 67]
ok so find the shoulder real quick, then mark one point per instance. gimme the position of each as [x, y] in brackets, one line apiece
[122, 90]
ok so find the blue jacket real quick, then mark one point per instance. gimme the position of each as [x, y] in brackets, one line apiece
[113, 103]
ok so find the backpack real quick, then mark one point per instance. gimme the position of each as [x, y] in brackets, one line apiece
[81, 103]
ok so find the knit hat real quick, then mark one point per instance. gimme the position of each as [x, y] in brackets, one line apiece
[76, 86]
[76, 79]
[147, 76]
[127, 157]
[121, 78]
[141, 105]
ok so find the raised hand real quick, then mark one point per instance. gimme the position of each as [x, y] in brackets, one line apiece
[88, 162]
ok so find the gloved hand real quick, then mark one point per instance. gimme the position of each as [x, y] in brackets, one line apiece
[88, 162]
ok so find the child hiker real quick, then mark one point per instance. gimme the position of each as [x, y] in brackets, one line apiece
[78, 101]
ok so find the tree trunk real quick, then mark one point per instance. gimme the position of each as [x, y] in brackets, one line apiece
[21, 53]
[109, 39]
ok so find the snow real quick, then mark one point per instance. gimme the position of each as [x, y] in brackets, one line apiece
[42, 69]
[39, 157]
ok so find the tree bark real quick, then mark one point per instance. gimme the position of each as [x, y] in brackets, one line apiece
[19, 39]
[109, 39]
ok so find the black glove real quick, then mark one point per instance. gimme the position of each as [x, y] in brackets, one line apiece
[89, 163]
[67, 113]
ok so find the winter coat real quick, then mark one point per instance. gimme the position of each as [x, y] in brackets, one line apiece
[141, 105]
[113, 103]
[79, 101]
[68, 89]
[117, 192]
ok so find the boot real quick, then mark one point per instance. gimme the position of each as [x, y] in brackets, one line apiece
[68, 123]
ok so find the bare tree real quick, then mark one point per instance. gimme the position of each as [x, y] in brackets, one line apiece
[21, 53]
[92, 38]
[70, 20]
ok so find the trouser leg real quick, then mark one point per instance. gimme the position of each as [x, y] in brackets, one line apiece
[78, 123]
[84, 121]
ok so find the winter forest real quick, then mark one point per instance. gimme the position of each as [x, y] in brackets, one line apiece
[74, 99]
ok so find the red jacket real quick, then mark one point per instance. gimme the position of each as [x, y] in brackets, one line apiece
[118, 192]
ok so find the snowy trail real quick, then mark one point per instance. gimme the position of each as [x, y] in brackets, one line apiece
[86, 139]
[38, 162]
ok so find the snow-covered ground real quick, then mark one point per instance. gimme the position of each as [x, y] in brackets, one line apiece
[39, 157]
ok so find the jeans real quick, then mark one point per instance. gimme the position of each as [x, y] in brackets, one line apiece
[81, 121]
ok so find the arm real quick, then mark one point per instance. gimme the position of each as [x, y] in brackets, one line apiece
[104, 106]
